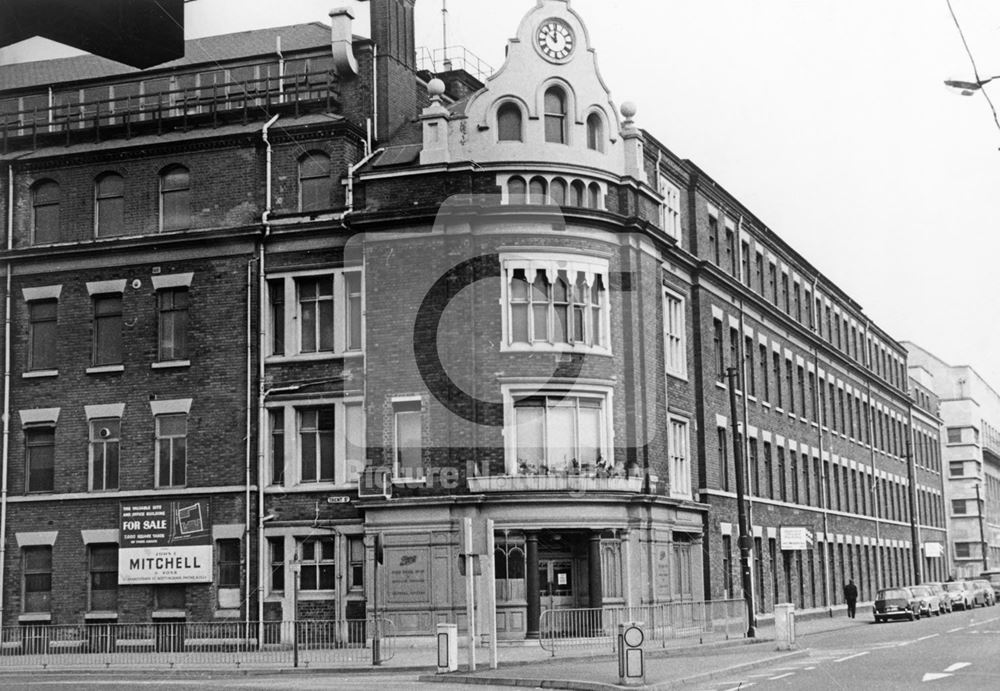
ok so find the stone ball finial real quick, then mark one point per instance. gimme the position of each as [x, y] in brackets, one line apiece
[629, 110]
[436, 88]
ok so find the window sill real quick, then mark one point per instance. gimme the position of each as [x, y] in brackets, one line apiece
[100, 615]
[169, 614]
[678, 375]
[168, 364]
[226, 614]
[720, 385]
[765, 404]
[40, 373]
[311, 357]
[105, 369]
[316, 594]
[311, 487]
[553, 348]
[409, 481]
[35, 616]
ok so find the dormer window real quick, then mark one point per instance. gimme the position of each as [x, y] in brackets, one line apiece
[509, 123]
[555, 116]
[595, 132]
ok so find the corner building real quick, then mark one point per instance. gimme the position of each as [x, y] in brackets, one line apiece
[342, 301]
[970, 412]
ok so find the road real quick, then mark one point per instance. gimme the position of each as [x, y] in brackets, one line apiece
[63, 681]
[946, 653]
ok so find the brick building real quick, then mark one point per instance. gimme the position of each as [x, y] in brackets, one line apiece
[335, 302]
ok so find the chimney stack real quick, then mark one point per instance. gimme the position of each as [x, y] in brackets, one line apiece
[395, 68]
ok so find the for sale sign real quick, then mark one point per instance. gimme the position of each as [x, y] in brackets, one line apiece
[165, 542]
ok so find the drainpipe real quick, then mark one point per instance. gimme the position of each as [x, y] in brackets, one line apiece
[822, 479]
[871, 445]
[911, 472]
[261, 412]
[6, 384]
[249, 423]
[350, 178]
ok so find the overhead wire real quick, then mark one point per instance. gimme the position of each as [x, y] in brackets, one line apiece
[975, 70]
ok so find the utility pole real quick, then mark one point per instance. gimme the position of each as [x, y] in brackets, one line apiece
[914, 528]
[744, 538]
[982, 532]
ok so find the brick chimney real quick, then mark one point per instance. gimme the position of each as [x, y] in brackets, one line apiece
[394, 36]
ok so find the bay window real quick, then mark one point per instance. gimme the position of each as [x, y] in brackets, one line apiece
[555, 302]
[557, 431]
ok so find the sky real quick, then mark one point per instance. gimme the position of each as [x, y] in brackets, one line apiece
[829, 119]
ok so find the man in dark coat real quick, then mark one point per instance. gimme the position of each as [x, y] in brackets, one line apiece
[851, 595]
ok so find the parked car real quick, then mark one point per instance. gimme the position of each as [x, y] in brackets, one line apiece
[893, 603]
[977, 594]
[983, 586]
[945, 599]
[960, 597]
[994, 578]
[925, 601]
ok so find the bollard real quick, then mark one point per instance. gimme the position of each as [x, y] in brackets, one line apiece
[784, 625]
[631, 665]
[447, 648]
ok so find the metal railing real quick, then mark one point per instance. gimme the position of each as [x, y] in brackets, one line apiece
[597, 628]
[169, 109]
[190, 644]
[453, 58]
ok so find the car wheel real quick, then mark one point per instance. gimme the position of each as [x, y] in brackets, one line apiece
[878, 619]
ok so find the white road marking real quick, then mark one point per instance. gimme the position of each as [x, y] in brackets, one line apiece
[849, 657]
[739, 686]
[934, 676]
[957, 666]
[781, 676]
[933, 635]
[809, 669]
[957, 628]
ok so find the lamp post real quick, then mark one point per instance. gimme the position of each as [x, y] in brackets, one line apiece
[744, 538]
[982, 533]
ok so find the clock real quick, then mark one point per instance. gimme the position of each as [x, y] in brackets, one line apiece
[555, 39]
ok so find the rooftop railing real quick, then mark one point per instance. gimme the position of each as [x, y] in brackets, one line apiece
[65, 117]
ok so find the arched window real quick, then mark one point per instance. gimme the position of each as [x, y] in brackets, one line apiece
[315, 186]
[509, 123]
[595, 132]
[555, 115]
[594, 200]
[579, 194]
[537, 191]
[45, 212]
[517, 190]
[110, 205]
[175, 198]
[557, 190]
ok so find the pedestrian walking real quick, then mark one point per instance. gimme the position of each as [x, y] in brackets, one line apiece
[851, 595]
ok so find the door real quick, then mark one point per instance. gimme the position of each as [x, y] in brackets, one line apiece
[556, 586]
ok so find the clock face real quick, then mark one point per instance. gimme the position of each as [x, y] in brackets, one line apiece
[555, 39]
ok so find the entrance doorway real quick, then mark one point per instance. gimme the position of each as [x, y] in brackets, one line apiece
[556, 584]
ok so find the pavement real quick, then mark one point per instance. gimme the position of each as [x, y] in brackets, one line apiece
[679, 666]
[680, 662]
